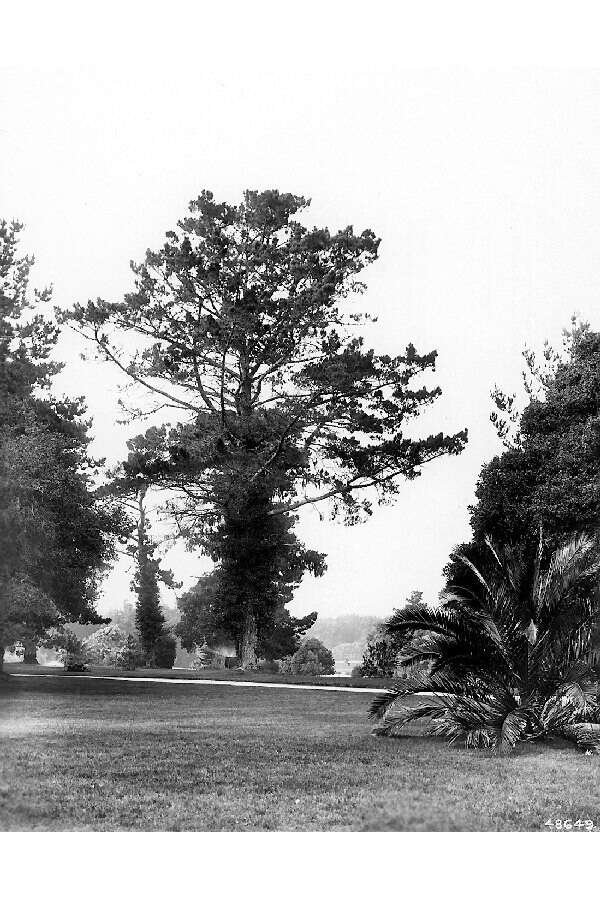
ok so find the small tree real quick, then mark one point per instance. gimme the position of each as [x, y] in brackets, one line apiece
[129, 654]
[150, 624]
[313, 658]
[149, 618]
[165, 651]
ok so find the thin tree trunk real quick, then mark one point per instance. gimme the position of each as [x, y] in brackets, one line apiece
[249, 642]
[1, 659]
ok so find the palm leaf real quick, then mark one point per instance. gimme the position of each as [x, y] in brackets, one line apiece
[401, 716]
[586, 735]
[513, 728]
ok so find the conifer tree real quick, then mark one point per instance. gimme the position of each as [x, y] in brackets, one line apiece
[149, 618]
[244, 327]
[55, 534]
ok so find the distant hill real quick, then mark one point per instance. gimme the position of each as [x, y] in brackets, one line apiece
[350, 629]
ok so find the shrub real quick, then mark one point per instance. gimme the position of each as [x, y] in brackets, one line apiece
[111, 646]
[506, 660]
[69, 647]
[206, 658]
[268, 665]
[130, 655]
[165, 651]
[313, 658]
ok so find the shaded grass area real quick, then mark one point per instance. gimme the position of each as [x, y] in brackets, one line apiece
[212, 674]
[93, 755]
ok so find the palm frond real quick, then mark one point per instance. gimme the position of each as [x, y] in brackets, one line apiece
[402, 715]
[569, 565]
[573, 701]
[474, 569]
[586, 736]
[381, 703]
[481, 738]
[439, 621]
[513, 728]
[416, 683]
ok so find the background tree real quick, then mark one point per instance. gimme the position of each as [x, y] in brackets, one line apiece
[285, 637]
[246, 330]
[205, 617]
[55, 535]
[148, 621]
[548, 478]
[149, 618]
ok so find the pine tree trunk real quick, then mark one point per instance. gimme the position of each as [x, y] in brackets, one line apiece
[1, 659]
[30, 654]
[249, 642]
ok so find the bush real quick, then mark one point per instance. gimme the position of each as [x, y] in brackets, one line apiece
[268, 665]
[232, 662]
[129, 656]
[111, 646]
[206, 658]
[313, 658]
[165, 651]
[70, 649]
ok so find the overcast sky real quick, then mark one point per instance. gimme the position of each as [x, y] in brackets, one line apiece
[484, 185]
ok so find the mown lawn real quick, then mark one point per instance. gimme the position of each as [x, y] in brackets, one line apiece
[80, 754]
[208, 674]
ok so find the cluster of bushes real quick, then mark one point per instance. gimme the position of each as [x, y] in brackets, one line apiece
[110, 646]
[312, 658]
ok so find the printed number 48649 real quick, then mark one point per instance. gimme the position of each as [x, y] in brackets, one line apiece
[569, 824]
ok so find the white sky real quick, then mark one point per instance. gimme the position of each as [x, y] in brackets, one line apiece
[481, 175]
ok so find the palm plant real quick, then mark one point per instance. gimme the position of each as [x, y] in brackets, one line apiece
[508, 657]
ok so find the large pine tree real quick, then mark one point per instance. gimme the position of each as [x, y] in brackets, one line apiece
[245, 327]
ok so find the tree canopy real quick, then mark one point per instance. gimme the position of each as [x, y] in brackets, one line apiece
[549, 477]
[547, 480]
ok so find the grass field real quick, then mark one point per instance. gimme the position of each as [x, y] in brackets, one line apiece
[81, 754]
